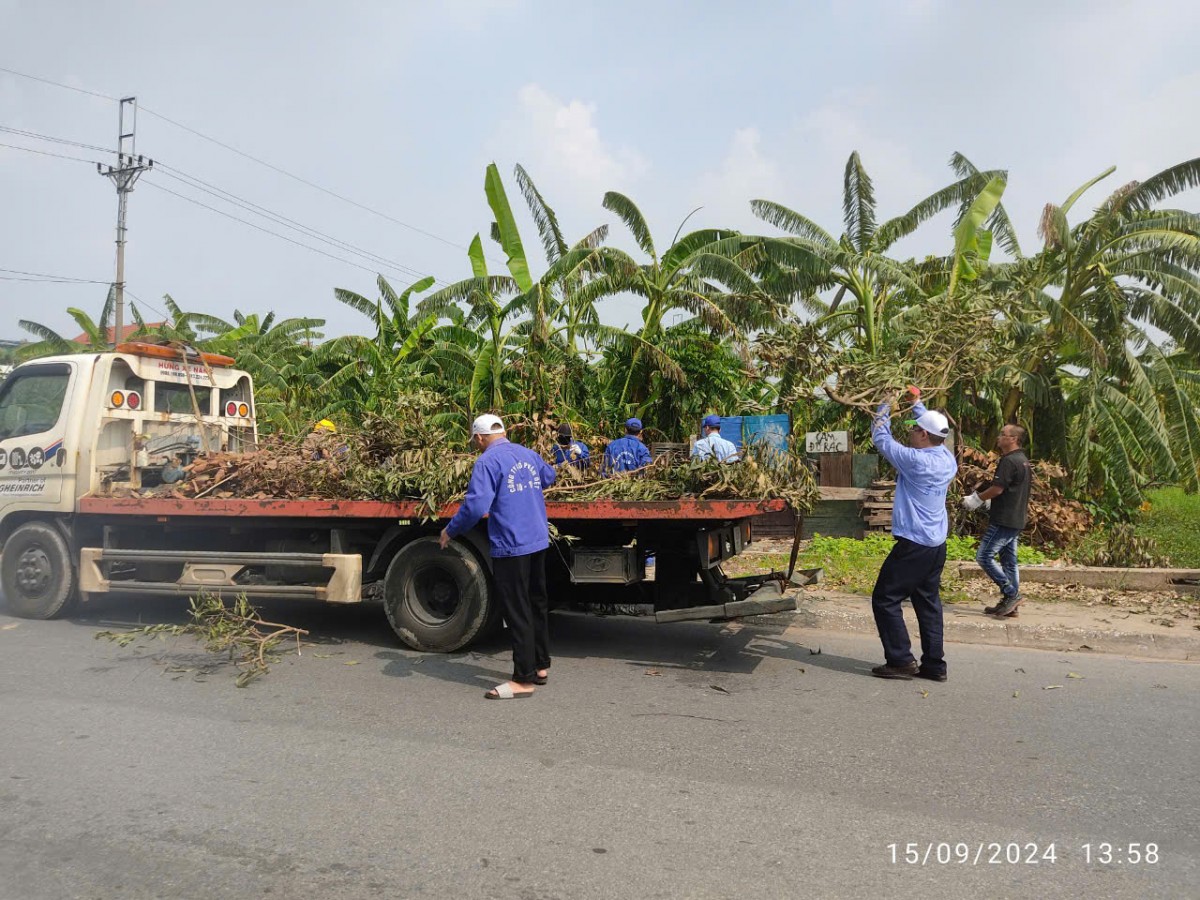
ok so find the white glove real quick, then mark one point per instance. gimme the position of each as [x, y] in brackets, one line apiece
[987, 504]
[971, 502]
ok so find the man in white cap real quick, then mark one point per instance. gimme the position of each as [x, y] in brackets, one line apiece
[506, 486]
[913, 570]
[712, 445]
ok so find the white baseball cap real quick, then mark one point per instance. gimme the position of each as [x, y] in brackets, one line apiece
[488, 423]
[934, 423]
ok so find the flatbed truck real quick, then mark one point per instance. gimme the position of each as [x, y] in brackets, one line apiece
[88, 442]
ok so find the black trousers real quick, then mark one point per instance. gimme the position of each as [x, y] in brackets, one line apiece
[521, 589]
[911, 571]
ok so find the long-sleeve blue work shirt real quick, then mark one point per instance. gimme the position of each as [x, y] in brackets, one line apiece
[922, 477]
[576, 453]
[715, 447]
[625, 454]
[506, 486]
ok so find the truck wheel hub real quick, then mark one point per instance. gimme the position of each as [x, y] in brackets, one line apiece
[34, 571]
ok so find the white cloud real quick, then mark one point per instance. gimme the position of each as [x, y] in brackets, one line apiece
[745, 174]
[560, 144]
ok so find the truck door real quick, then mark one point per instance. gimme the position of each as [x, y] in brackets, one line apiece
[32, 428]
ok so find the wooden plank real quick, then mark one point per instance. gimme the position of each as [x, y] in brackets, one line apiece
[837, 469]
[840, 493]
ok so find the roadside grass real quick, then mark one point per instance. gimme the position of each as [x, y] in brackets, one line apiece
[852, 565]
[1172, 519]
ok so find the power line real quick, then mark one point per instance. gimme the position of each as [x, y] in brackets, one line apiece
[282, 237]
[278, 218]
[55, 277]
[56, 140]
[304, 181]
[93, 162]
[57, 84]
[153, 309]
[229, 197]
[255, 159]
[50, 280]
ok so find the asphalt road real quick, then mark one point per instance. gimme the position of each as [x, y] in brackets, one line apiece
[748, 766]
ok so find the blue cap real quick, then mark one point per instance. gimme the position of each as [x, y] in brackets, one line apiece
[635, 424]
[712, 421]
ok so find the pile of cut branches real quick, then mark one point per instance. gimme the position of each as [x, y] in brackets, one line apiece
[236, 631]
[1054, 521]
[762, 473]
[414, 453]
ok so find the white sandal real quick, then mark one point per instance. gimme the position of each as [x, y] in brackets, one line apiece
[505, 692]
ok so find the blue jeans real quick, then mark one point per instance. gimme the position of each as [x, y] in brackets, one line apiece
[1002, 542]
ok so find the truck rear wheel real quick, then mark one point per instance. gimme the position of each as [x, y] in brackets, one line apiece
[37, 573]
[437, 600]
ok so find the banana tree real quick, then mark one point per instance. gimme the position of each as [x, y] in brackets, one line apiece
[868, 285]
[702, 281]
[95, 333]
[1115, 303]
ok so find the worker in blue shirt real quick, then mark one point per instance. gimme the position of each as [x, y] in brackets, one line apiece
[712, 445]
[569, 450]
[628, 453]
[506, 486]
[913, 569]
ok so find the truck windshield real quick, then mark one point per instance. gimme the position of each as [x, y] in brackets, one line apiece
[32, 400]
[176, 398]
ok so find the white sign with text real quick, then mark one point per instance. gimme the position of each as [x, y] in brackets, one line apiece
[827, 441]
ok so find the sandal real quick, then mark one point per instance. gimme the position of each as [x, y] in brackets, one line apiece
[541, 679]
[505, 692]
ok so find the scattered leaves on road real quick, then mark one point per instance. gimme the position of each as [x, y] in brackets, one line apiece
[1052, 687]
[1022, 671]
[717, 687]
[1016, 694]
[10, 626]
[654, 672]
[924, 693]
[350, 662]
[1074, 675]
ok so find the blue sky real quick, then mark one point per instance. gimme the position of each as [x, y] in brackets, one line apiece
[400, 106]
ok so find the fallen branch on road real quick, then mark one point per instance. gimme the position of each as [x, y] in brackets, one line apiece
[234, 630]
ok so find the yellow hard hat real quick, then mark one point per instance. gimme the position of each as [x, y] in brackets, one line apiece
[325, 425]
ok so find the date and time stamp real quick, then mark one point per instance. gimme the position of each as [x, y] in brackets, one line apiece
[1015, 853]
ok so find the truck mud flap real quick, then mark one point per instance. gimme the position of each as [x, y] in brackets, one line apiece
[216, 573]
[767, 599]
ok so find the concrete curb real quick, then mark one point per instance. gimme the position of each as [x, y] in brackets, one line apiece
[818, 614]
[1113, 579]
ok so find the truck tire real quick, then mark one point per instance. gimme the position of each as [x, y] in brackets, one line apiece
[37, 573]
[437, 600]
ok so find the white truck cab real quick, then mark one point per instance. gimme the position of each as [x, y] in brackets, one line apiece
[115, 422]
[103, 424]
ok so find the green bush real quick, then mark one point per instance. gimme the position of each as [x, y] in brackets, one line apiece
[1171, 517]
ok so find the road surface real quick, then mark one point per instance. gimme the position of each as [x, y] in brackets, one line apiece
[674, 761]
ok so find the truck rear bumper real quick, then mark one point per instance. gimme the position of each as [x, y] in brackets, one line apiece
[767, 599]
[217, 573]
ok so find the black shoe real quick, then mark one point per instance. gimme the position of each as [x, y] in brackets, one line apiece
[991, 611]
[1007, 606]
[931, 676]
[897, 673]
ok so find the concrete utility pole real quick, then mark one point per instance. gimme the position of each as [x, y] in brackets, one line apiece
[129, 169]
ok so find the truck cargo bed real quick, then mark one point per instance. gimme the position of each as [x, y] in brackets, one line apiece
[682, 510]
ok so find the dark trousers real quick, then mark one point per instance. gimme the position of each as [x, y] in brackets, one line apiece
[521, 589]
[910, 571]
